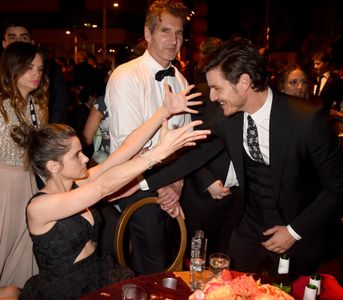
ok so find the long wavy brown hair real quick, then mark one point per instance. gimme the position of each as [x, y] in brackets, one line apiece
[14, 63]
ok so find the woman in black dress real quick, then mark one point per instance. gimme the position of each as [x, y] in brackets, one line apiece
[62, 225]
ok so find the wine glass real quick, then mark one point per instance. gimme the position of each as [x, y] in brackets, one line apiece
[219, 262]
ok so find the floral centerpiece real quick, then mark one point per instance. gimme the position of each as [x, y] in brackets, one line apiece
[244, 287]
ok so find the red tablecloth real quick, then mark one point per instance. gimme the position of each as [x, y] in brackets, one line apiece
[151, 283]
[330, 290]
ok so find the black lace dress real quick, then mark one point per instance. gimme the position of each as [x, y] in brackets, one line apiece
[56, 250]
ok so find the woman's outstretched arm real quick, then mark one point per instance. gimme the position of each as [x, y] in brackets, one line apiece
[173, 104]
[51, 207]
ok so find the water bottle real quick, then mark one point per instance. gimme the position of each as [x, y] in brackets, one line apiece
[310, 292]
[198, 254]
[315, 279]
[282, 280]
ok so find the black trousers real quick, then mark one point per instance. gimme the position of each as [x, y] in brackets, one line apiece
[217, 218]
[248, 254]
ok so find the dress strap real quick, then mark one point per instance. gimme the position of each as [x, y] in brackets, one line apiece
[34, 196]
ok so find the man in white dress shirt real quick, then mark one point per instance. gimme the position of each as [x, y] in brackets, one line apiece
[134, 92]
[287, 162]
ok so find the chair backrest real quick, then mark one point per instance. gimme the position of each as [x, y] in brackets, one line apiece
[176, 265]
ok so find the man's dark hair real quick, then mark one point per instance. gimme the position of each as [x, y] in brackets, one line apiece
[323, 56]
[14, 23]
[238, 56]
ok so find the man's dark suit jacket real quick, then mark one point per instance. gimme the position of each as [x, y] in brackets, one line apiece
[332, 92]
[305, 159]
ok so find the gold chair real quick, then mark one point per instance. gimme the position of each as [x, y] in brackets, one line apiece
[176, 265]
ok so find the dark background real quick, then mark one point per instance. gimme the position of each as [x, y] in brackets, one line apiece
[295, 25]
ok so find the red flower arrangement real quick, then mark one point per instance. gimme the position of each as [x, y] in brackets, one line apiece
[243, 287]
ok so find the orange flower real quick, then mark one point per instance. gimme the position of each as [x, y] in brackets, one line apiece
[241, 288]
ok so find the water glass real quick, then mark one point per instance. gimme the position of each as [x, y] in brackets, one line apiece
[218, 262]
[134, 292]
[200, 278]
[170, 283]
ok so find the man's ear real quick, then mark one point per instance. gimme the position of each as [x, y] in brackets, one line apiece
[147, 34]
[244, 81]
[53, 166]
[32, 42]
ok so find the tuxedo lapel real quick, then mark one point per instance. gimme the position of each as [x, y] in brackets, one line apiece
[327, 84]
[280, 129]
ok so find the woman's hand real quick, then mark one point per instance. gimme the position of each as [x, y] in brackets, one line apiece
[172, 140]
[177, 103]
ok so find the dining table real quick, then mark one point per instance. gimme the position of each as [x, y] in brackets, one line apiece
[331, 289]
[151, 283]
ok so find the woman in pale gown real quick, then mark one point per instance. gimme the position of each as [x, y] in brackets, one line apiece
[23, 103]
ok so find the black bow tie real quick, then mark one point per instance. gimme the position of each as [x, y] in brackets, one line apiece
[161, 74]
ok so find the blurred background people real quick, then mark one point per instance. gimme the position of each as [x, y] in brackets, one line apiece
[329, 86]
[96, 130]
[23, 103]
[87, 74]
[78, 115]
[15, 32]
[329, 89]
[294, 81]
[58, 96]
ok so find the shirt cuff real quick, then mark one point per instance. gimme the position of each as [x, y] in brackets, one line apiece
[293, 233]
[142, 183]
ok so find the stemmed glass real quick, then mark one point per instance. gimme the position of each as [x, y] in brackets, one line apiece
[218, 262]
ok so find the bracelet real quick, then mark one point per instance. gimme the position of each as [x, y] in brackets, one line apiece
[151, 162]
[147, 154]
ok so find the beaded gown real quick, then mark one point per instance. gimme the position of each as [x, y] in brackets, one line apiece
[17, 186]
[56, 251]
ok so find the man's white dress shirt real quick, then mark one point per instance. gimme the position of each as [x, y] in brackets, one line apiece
[133, 96]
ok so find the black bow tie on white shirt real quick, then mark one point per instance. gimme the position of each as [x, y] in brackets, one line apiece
[161, 74]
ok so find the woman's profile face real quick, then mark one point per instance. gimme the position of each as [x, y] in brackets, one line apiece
[74, 161]
[296, 84]
[31, 79]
